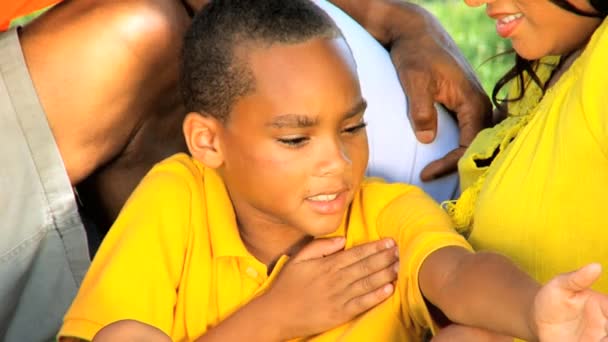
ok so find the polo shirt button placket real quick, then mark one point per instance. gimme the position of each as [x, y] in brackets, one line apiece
[252, 272]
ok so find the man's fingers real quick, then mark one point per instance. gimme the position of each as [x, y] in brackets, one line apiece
[356, 254]
[441, 167]
[320, 248]
[421, 108]
[472, 117]
[581, 279]
[363, 303]
[423, 117]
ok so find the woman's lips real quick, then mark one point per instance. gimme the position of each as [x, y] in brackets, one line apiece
[507, 24]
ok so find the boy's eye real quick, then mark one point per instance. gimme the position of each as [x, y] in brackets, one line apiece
[356, 128]
[293, 141]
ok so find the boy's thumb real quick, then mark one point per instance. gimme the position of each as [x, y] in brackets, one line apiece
[319, 248]
[581, 279]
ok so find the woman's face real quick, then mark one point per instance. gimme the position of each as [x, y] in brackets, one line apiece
[539, 28]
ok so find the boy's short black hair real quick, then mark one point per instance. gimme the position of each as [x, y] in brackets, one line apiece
[213, 75]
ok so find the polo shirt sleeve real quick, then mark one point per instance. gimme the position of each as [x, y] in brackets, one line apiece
[136, 272]
[420, 227]
[594, 82]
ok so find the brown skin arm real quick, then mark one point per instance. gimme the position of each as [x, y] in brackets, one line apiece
[431, 69]
[244, 322]
[480, 289]
[106, 73]
[126, 331]
[100, 69]
[457, 332]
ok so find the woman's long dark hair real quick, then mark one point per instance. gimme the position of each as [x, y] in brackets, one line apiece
[523, 65]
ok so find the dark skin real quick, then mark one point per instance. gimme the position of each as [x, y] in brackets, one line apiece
[129, 110]
[413, 36]
[127, 121]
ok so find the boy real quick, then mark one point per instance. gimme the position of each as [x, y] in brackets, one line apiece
[278, 153]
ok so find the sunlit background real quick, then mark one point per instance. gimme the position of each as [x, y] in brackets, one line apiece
[475, 34]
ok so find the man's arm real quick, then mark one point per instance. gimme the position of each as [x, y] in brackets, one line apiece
[106, 73]
[102, 69]
[431, 69]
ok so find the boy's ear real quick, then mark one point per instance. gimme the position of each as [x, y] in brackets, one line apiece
[201, 133]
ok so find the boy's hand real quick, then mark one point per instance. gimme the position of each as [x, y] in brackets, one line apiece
[322, 286]
[567, 310]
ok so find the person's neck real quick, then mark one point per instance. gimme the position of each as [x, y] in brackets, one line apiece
[268, 241]
[564, 65]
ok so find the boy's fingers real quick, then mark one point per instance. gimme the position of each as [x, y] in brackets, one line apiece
[363, 303]
[360, 252]
[581, 279]
[370, 265]
[320, 248]
[373, 282]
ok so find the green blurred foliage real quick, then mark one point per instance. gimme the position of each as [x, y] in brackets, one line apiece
[24, 20]
[476, 36]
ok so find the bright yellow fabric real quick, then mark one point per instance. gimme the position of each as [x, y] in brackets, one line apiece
[174, 258]
[542, 200]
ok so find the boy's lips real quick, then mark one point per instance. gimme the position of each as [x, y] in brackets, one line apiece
[328, 203]
[506, 24]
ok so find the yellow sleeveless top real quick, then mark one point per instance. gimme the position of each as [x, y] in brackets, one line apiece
[541, 201]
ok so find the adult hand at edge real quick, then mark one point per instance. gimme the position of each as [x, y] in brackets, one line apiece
[431, 69]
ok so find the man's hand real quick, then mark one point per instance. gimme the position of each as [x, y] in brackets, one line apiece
[431, 69]
[567, 310]
[322, 286]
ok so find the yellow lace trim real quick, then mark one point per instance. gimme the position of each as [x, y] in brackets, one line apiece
[499, 137]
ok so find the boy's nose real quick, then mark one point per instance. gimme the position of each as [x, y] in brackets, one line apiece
[335, 159]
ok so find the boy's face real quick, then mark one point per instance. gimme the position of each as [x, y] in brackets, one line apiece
[295, 149]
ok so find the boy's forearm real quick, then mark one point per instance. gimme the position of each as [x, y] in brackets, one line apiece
[253, 322]
[484, 290]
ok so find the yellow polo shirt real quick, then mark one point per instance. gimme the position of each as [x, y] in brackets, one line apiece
[174, 258]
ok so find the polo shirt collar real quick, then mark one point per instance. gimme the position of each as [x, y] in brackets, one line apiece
[221, 222]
